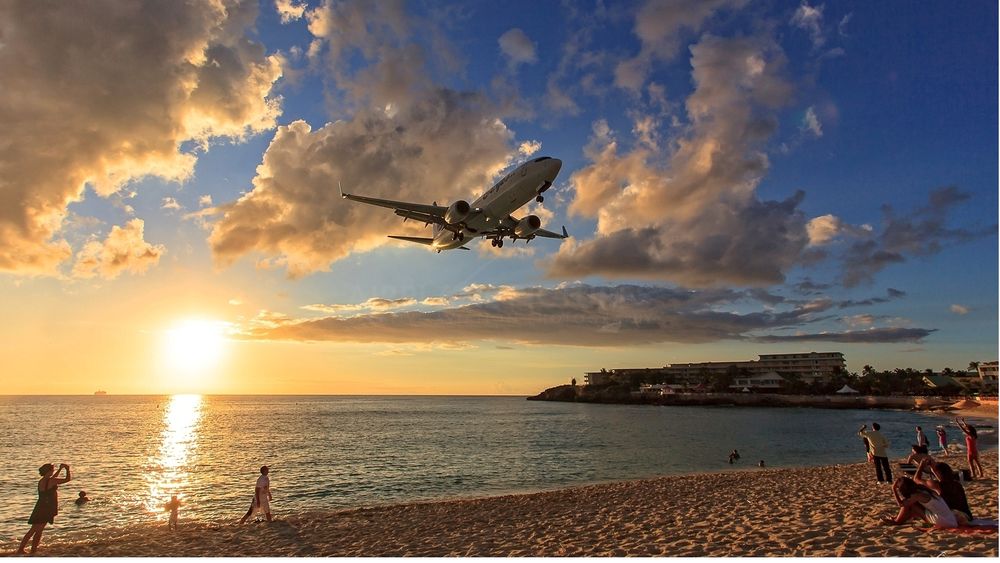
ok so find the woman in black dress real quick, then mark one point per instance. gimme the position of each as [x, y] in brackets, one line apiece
[47, 506]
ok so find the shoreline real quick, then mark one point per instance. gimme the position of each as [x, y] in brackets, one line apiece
[807, 511]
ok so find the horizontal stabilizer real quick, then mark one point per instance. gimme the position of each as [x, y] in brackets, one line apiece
[421, 240]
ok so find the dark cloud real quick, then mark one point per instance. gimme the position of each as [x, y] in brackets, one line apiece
[891, 294]
[578, 315]
[921, 232]
[869, 336]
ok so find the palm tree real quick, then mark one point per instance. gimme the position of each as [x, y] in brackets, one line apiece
[974, 366]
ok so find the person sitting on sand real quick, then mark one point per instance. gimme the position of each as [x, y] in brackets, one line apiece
[261, 496]
[971, 448]
[918, 453]
[47, 506]
[82, 499]
[946, 484]
[173, 506]
[916, 501]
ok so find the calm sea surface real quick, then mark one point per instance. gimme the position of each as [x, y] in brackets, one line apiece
[130, 453]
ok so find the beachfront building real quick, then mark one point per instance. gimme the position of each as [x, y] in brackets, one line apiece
[770, 381]
[805, 366]
[988, 372]
[602, 377]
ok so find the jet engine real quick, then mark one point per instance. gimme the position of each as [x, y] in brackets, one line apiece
[457, 212]
[527, 226]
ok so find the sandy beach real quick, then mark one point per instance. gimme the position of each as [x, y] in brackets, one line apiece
[821, 511]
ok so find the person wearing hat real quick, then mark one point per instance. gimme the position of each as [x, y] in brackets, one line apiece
[261, 496]
[47, 505]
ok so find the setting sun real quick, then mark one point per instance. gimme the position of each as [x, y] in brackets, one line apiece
[194, 346]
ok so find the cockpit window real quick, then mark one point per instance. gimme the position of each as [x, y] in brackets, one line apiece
[541, 158]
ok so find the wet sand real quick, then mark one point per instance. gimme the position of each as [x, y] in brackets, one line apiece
[820, 511]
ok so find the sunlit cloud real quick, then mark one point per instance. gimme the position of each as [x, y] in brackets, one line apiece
[290, 10]
[959, 309]
[124, 250]
[181, 72]
[407, 139]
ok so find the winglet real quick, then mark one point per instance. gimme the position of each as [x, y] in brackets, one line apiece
[341, 188]
[565, 234]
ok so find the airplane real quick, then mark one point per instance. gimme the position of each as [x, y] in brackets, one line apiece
[489, 216]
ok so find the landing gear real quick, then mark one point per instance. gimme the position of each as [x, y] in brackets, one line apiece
[500, 243]
[539, 198]
[497, 243]
[458, 236]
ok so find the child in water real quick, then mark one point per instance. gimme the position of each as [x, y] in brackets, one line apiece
[82, 499]
[173, 507]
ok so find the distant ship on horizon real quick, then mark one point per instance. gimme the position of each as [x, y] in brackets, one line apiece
[100, 393]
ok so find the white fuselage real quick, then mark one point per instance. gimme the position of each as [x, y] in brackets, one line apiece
[508, 195]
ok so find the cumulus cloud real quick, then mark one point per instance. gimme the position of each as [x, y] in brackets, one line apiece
[811, 124]
[408, 139]
[810, 18]
[823, 229]
[518, 47]
[528, 148]
[695, 220]
[569, 315]
[959, 309]
[123, 250]
[289, 10]
[659, 24]
[170, 204]
[99, 93]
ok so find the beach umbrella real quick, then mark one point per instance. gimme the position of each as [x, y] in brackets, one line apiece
[965, 404]
[846, 389]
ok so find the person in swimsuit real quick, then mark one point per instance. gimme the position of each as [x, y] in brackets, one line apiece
[173, 505]
[919, 502]
[942, 438]
[47, 506]
[946, 484]
[971, 448]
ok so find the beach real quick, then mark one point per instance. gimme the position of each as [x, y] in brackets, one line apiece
[814, 511]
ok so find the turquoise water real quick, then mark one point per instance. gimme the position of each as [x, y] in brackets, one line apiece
[132, 452]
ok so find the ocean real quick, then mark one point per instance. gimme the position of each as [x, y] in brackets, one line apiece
[131, 453]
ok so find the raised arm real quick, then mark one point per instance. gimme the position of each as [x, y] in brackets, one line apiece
[929, 483]
[66, 479]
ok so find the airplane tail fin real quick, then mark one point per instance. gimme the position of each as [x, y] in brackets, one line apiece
[420, 240]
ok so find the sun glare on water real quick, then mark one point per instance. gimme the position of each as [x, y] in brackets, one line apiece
[194, 346]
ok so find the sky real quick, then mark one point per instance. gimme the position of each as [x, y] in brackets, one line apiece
[739, 178]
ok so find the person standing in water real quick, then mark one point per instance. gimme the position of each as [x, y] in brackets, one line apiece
[921, 437]
[47, 505]
[173, 506]
[261, 496]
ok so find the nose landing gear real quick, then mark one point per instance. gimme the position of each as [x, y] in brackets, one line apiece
[539, 199]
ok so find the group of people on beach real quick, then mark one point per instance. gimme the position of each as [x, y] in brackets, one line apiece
[47, 505]
[931, 490]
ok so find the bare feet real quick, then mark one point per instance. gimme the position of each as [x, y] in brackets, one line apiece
[886, 521]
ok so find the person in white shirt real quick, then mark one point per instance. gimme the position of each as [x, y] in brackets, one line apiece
[879, 449]
[261, 496]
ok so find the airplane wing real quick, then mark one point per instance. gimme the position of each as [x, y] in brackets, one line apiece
[550, 234]
[419, 240]
[423, 212]
[508, 223]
